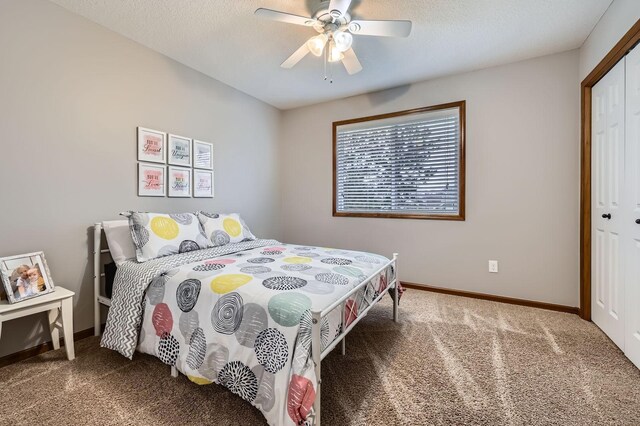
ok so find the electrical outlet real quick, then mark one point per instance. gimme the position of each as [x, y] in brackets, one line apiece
[493, 266]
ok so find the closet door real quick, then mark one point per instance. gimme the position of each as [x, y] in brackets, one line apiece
[608, 139]
[632, 197]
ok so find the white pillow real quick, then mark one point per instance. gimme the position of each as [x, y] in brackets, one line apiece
[119, 240]
[221, 228]
[156, 234]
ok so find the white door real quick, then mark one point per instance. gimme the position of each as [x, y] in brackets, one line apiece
[631, 229]
[608, 139]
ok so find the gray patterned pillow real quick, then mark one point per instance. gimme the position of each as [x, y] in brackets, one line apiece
[157, 235]
[223, 228]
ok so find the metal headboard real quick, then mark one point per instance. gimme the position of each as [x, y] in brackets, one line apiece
[98, 275]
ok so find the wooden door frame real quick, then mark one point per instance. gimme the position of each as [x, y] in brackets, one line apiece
[626, 43]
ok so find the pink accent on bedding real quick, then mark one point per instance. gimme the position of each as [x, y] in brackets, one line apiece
[300, 398]
[350, 312]
[219, 262]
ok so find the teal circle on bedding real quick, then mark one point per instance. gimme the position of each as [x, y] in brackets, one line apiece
[349, 271]
[287, 308]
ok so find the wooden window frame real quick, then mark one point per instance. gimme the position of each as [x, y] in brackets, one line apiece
[461, 172]
[619, 51]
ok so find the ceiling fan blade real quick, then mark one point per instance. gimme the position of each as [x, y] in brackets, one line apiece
[338, 8]
[285, 17]
[296, 57]
[381, 28]
[351, 62]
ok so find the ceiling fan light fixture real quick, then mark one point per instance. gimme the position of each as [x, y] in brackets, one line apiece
[343, 40]
[316, 44]
[335, 55]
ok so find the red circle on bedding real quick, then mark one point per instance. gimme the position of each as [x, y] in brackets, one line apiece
[162, 319]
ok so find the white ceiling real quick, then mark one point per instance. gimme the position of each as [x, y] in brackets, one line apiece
[223, 39]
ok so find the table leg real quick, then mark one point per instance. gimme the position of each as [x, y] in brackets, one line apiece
[67, 327]
[53, 327]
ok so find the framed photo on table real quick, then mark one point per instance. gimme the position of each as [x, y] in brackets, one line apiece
[25, 276]
[179, 182]
[179, 151]
[202, 155]
[151, 180]
[202, 183]
[152, 146]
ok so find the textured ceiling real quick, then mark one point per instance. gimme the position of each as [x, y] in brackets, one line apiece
[223, 39]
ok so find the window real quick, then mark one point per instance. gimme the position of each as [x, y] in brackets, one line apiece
[408, 164]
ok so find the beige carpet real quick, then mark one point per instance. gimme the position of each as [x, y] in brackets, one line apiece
[451, 360]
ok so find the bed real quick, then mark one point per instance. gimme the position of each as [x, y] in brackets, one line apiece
[256, 316]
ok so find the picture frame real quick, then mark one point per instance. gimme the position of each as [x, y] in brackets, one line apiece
[152, 145]
[179, 179]
[151, 180]
[179, 150]
[202, 183]
[202, 155]
[25, 276]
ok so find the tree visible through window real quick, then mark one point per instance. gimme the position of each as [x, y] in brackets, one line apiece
[407, 164]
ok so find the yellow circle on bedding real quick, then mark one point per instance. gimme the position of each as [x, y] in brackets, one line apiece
[232, 227]
[165, 227]
[297, 259]
[225, 283]
[199, 380]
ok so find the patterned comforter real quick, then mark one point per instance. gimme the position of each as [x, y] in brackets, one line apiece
[242, 319]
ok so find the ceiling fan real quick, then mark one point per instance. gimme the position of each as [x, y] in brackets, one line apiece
[336, 29]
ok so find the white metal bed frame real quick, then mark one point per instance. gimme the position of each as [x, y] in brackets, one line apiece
[317, 353]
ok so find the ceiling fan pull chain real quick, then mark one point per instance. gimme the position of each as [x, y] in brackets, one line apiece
[325, 64]
[330, 74]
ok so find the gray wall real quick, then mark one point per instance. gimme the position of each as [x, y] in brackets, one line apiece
[522, 183]
[71, 96]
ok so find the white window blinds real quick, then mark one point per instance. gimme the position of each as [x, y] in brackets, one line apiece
[403, 165]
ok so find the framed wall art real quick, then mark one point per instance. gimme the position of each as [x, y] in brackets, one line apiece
[179, 151]
[151, 180]
[202, 155]
[152, 145]
[202, 183]
[179, 182]
[25, 276]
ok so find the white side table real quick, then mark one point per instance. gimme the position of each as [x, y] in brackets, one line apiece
[59, 305]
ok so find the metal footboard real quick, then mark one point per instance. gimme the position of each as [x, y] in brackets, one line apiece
[317, 353]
